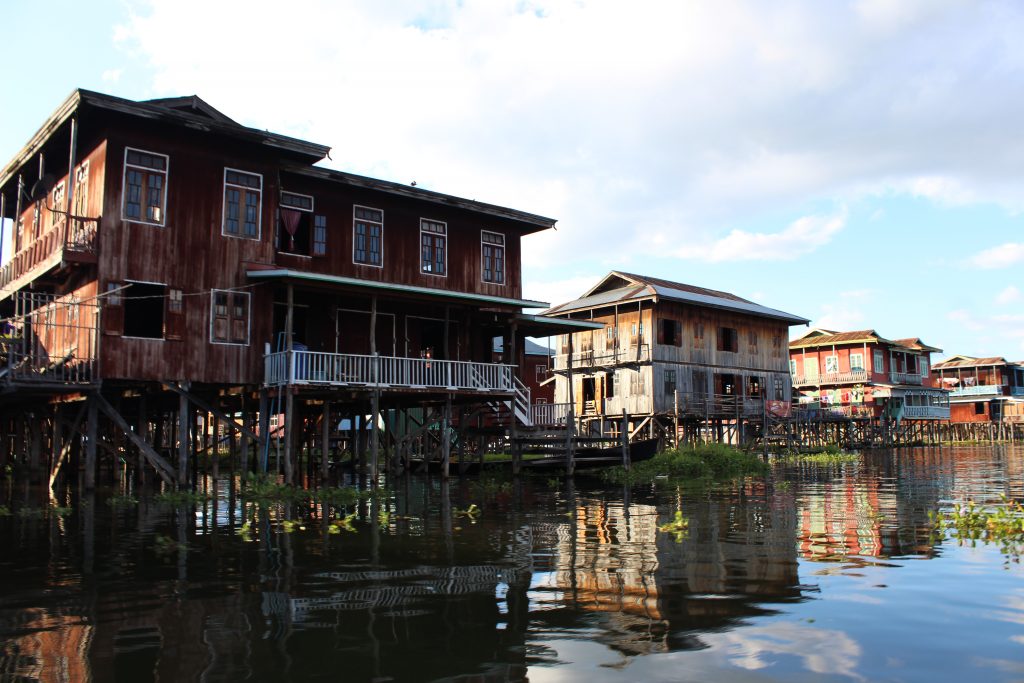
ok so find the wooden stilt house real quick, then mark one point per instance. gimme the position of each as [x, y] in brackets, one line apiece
[671, 356]
[167, 260]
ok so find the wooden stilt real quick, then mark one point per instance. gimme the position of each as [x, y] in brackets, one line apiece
[91, 435]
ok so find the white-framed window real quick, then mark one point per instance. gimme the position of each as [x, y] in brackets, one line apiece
[541, 372]
[57, 204]
[243, 204]
[922, 365]
[229, 317]
[811, 368]
[492, 257]
[856, 362]
[319, 235]
[433, 247]
[831, 364]
[792, 368]
[295, 224]
[368, 236]
[670, 382]
[144, 189]
[879, 362]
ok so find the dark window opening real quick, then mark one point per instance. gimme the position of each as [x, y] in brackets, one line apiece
[144, 310]
[725, 385]
[670, 382]
[669, 334]
[294, 232]
[979, 408]
[609, 385]
[754, 387]
[728, 339]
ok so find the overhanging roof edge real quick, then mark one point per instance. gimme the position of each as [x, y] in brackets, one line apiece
[283, 274]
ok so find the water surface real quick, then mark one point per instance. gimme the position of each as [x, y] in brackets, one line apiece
[818, 572]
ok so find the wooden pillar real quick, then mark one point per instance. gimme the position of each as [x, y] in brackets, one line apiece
[570, 417]
[57, 440]
[263, 445]
[183, 437]
[375, 399]
[624, 439]
[289, 401]
[446, 436]
[215, 450]
[91, 435]
[325, 443]
[143, 430]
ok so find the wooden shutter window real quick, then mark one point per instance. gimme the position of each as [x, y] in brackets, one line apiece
[175, 314]
[221, 319]
[240, 318]
[113, 309]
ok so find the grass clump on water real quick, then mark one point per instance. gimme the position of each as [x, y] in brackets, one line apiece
[969, 524]
[690, 463]
[830, 454]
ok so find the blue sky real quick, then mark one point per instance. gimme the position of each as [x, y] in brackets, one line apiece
[857, 163]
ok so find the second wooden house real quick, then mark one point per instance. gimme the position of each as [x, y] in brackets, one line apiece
[668, 350]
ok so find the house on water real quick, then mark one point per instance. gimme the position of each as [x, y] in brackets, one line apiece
[166, 260]
[982, 389]
[666, 351]
[860, 374]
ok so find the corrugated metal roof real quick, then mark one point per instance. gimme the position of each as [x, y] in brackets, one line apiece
[649, 288]
[289, 274]
[962, 362]
[811, 339]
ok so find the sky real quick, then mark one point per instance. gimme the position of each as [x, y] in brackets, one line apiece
[857, 163]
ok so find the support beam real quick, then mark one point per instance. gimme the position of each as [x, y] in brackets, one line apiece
[91, 438]
[183, 438]
[210, 408]
[162, 467]
[67, 444]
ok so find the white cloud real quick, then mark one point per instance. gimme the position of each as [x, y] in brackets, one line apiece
[1008, 296]
[559, 291]
[965, 318]
[1003, 256]
[801, 237]
[112, 75]
[639, 126]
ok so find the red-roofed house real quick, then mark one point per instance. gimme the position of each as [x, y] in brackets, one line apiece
[982, 389]
[862, 374]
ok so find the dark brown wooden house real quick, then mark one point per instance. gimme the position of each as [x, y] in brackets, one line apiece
[160, 250]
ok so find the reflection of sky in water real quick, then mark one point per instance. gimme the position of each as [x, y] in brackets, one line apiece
[818, 573]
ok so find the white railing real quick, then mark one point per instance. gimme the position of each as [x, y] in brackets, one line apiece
[978, 390]
[832, 378]
[1016, 391]
[590, 358]
[339, 369]
[548, 414]
[521, 402]
[930, 412]
[906, 378]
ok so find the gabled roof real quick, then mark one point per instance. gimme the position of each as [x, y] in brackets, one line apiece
[619, 287]
[962, 361]
[535, 222]
[185, 112]
[822, 337]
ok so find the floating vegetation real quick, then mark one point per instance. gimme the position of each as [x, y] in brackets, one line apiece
[472, 512]
[828, 455]
[1002, 526]
[165, 545]
[263, 489]
[691, 463]
[491, 487]
[290, 526]
[679, 527]
[177, 498]
[345, 523]
[245, 531]
[127, 500]
[5, 511]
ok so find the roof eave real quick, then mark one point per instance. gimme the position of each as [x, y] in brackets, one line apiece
[45, 132]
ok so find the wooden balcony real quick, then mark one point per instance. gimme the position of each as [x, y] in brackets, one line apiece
[906, 378]
[599, 359]
[926, 412]
[316, 368]
[853, 377]
[67, 241]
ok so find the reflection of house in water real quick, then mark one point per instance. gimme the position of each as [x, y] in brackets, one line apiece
[657, 594]
[54, 648]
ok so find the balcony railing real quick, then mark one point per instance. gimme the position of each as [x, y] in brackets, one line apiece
[77, 237]
[1016, 391]
[906, 378]
[339, 369]
[591, 358]
[978, 390]
[832, 378]
[549, 414]
[926, 412]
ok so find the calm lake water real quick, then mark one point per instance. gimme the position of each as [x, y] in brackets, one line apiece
[817, 573]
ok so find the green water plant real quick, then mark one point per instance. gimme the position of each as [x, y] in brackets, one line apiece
[678, 527]
[5, 511]
[689, 463]
[472, 512]
[970, 524]
[124, 501]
